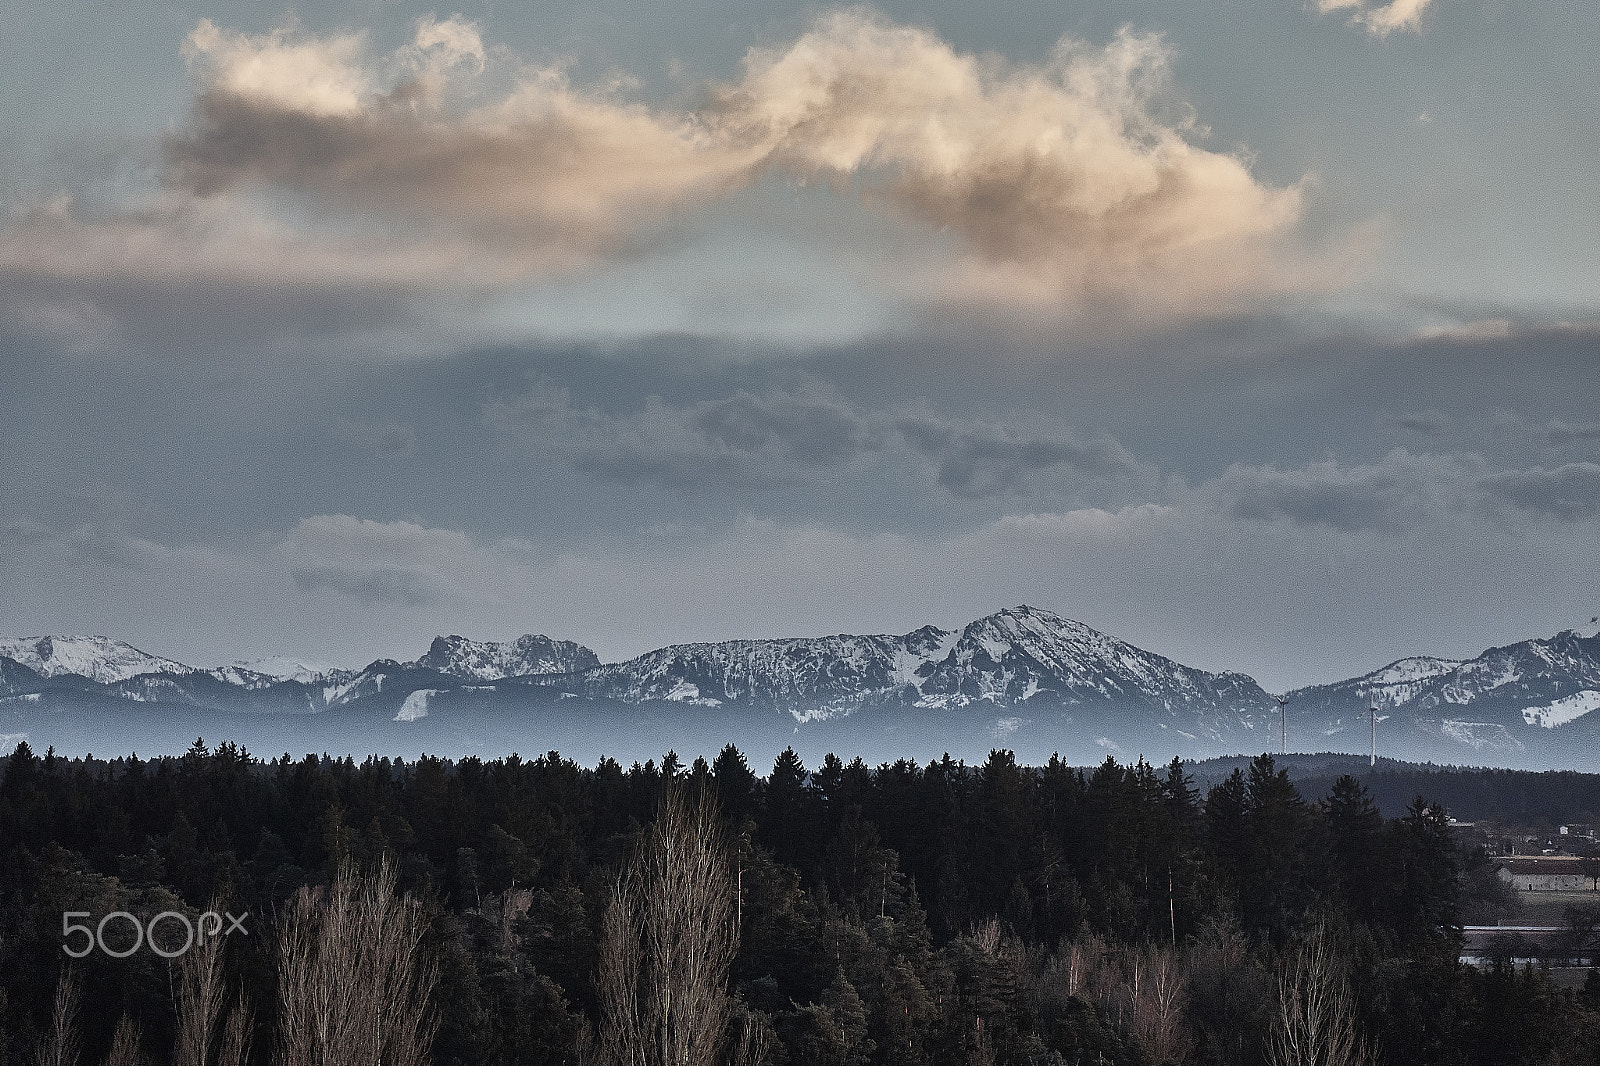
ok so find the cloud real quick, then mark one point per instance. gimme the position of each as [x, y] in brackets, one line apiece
[1568, 492]
[321, 187]
[177, 272]
[806, 437]
[292, 71]
[1396, 15]
[977, 460]
[808, 430]
[374, 563]
[1389, 495]
[1561, 433]
[1075, 178]
[1402, 491]
[1489, 329]
[548, 173]
[777, 437]
[380, 438]
[1384, 19]
[743, 440]
[370, 585]
[1429, 423]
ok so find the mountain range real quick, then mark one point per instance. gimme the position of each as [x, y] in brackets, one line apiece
[1022, 678]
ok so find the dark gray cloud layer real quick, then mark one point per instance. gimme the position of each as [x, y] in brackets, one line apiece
[780, 438]
[868, 436]
[370, 586]
[633, 494]
[1560, 433]
[1570, 491]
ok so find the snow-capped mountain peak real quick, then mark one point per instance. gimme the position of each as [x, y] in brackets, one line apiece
[1002, 660]
[285, 668]
[1023, 653]
[1490, 702]
[99, 659]
[484, 660]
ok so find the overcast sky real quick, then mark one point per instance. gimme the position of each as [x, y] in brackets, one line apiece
[1264, 334]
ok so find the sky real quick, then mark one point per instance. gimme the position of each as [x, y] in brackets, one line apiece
[1264, 334]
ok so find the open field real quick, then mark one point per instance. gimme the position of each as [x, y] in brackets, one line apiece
[1548, 908]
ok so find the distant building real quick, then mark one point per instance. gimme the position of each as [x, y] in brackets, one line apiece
[1545, 873]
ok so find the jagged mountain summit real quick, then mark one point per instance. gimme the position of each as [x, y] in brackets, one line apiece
[1020, 654]
[811, 677]
[481, 660]
[98, 659]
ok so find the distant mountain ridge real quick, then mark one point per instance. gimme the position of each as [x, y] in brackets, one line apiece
[1499, 701]
[1003, 661]
[99, 659]
[479, 660]
[1021, 676]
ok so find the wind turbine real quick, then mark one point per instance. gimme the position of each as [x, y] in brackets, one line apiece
[1372, 716]
[1283, 724]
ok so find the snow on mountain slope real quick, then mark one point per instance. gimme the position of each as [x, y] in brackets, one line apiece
[1024, 653]
[1560, 712]
[284, 668]
[1481, 736]
[416, 705]
[1531, 683]
[803, 673]
[1019, 676]
[96, 658]
[1004, 660]
[482, 660]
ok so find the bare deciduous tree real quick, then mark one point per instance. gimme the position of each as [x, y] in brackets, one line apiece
[126, 1049]
[1156, 992]
[61, 1043]
[1142, 990]
[200, 996]
[1315, 1022]
[752, 1045]
[668, 942]
[235, 1049]
[353, 985]
[204, 1037]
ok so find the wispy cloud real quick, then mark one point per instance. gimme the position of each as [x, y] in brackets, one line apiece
[375, 563]
[548, 171]
[1382, 19]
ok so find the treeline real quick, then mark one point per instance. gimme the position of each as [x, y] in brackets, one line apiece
[1542, 798]
[1517, 797]
[898, 914]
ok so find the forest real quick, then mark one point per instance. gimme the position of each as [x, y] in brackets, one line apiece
[514, 911]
